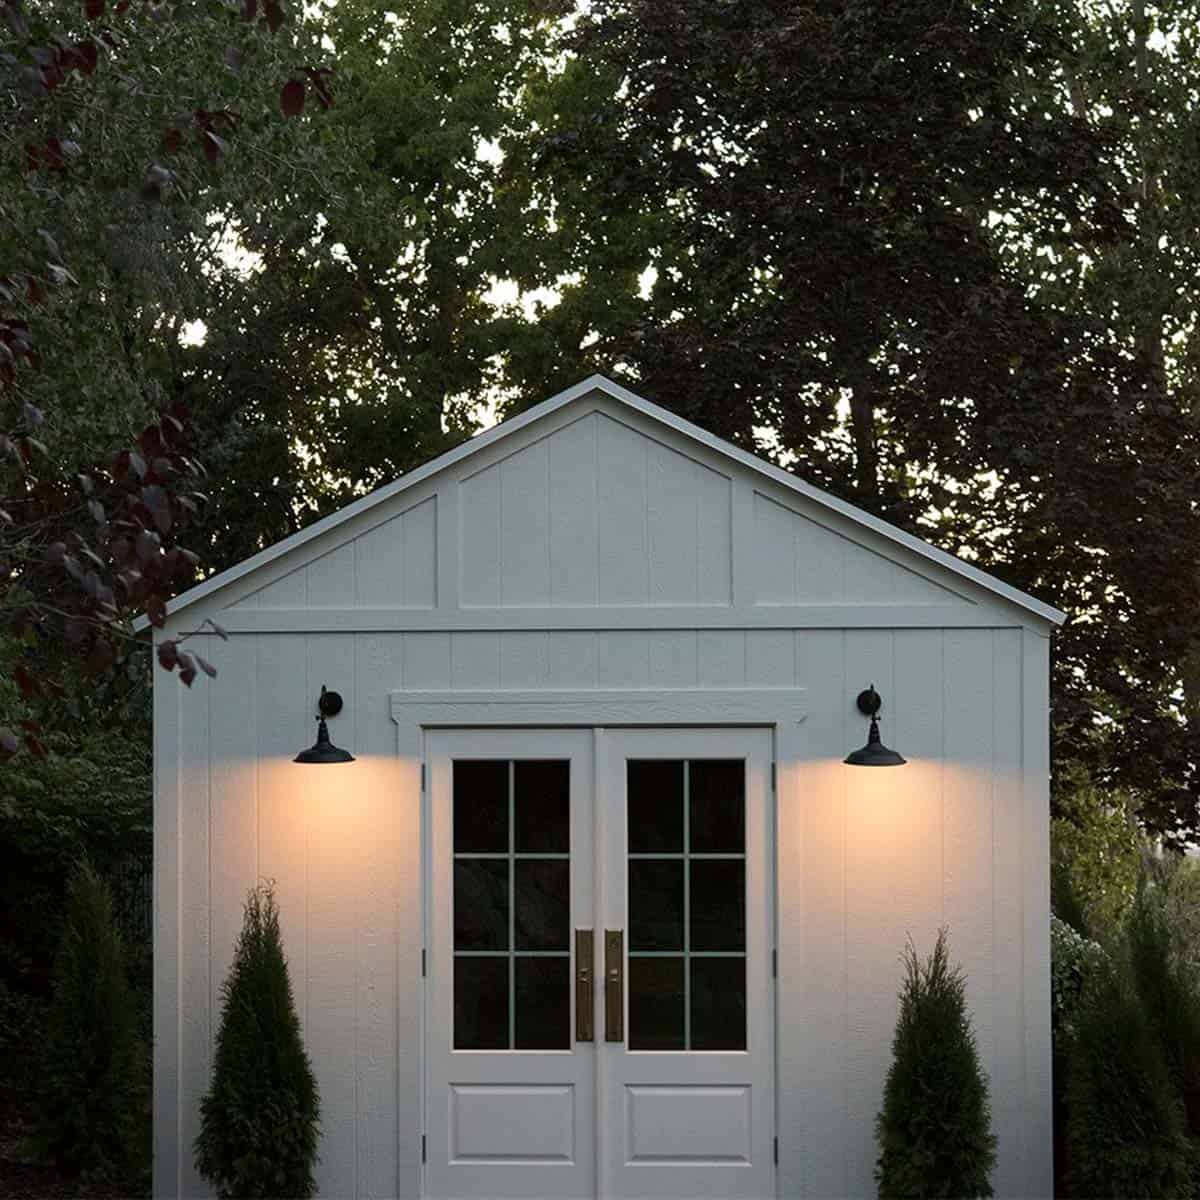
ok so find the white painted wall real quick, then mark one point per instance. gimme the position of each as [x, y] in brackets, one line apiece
[597, 551]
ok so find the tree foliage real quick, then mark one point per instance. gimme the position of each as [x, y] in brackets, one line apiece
[260, 1116]
[121, 130]
[935, 1127]
[94, 1091]
[905, 249]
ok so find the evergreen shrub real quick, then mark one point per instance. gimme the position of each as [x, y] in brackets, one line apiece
[94, 1094]
[934, 1130]
[1126, 1128]
[260, 1117]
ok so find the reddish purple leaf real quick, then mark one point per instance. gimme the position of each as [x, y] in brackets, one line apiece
[26, 684]
[168, 654]
[147, 544]
[272, 14]
[291, 99]
[155, 499]
[156, 610]
[9, 742]
[94, 9]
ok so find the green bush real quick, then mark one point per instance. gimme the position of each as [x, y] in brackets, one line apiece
[1167, 982]
[259, 1119]
[93, 1114]
[1125, 1121]
[934, 1130]
[1072, 960]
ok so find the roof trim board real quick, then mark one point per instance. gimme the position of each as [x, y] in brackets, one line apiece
[599, 383]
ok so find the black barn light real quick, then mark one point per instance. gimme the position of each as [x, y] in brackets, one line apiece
[323, 750]
[874, 753]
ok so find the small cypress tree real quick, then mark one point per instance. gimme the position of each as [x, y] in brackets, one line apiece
[259, 1119]
[1125, 1119]
[94, 1079]
[935, 1127]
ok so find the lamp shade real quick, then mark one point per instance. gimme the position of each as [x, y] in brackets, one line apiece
[323, 750]
[875, 753]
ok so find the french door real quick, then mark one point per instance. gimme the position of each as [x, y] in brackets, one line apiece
[599, 1015]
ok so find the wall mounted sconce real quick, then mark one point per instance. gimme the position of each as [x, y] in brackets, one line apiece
[874, 753]
[323, 750]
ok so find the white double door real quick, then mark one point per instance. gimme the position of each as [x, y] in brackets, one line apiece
[599, 999]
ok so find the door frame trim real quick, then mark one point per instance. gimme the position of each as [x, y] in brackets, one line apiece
[782, 711]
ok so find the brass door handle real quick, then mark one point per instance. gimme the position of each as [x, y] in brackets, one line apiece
[614, 985]
[585, 996]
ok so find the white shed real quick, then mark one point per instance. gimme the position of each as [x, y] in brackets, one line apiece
[599, 910]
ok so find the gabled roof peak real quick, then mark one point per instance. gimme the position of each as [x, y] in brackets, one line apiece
[623, 396]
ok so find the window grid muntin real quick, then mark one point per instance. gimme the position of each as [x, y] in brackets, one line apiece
[511, 856]
[686, 858]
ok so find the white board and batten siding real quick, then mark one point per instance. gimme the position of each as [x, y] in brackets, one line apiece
[597, 548]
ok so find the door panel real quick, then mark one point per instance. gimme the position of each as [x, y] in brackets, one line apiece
[510, 1095]
[687, 1099]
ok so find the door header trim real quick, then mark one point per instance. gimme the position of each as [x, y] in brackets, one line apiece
[413, 712]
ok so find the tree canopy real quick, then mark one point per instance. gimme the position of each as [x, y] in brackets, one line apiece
[937, 258]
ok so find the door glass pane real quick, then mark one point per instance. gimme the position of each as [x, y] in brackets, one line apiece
[512, 893]
[717, 806]
[543, 912]
[718, 987]
[543, 988]
[656, 1004]
[481, 1003]
[655, 821]
[481, 904]
[655, 904]
[543, 806]
[686, 873]
[480, 807]
[717, 911]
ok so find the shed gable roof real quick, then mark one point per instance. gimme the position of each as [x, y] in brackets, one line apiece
[788, 529]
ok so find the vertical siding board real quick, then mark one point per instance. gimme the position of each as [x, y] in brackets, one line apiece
[770, 658]
[1035, 750]
[525, 526]
[331, 579]
[874, 936]
[722, 657]
[233, 771]
[623, 659]
[820, 563]
[379, 561]
[168, 772]
[479, 537]
[968, 815]
[333, 799]
[389, 926]
[524, 660]
[714, 552]
[426, 660]
[672, 504]
[775, 558]
[195, 918]
[813, 975]
[572, 659]
[418, 538]
[474, 660]
[1008, 963]
[673, 658]
[621, 511]
[286, 724]
[574, 545]
[290, 591]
